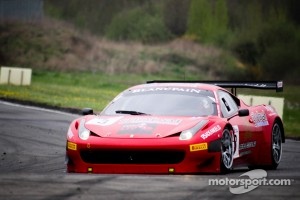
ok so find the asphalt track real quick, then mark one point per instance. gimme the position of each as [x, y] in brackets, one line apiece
[32, 154]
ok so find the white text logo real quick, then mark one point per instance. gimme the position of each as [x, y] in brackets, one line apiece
[249, 181]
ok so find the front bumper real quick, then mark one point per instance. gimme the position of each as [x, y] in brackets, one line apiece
[141, 156]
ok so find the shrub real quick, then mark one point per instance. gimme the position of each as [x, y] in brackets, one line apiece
[138, 25]
[270, 49]
[275, 52]
[279, 46]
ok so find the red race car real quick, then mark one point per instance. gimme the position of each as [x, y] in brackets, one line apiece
[177, 127]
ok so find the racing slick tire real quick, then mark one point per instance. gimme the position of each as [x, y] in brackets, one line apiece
[276, 151]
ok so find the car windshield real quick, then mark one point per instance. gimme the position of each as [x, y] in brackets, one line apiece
[167, 101]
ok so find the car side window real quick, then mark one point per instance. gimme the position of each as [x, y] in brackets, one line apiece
[227, 104]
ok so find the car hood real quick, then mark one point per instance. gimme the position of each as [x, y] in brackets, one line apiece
[142, 126]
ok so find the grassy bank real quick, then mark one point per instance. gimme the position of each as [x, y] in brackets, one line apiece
[95, 90]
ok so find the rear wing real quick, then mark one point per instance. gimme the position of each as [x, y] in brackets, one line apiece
[263, 85]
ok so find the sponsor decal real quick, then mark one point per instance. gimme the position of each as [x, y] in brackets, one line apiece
[172, 89]
[151, 120]
[72, 146]
[210, 132]
[247, 145]
[259, 119]
[256, 85]
[198, 147]
[245, 153]
[103, 121]
[141, 128]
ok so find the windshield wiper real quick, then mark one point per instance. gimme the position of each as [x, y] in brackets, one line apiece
[130, 112]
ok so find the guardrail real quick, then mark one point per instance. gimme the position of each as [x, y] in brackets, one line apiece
[15, 76]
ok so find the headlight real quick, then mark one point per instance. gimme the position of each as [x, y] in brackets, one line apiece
[188, 134]
[83, 133]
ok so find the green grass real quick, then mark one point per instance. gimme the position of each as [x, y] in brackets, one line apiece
[73, 90]
[95, 90]
[70, 90]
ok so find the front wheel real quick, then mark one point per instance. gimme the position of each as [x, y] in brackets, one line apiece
[226, 151]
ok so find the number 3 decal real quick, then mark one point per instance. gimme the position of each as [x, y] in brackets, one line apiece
[236, 141]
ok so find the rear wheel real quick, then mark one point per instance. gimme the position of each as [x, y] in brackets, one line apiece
[276, 148]
[226, 151]
[276, 145]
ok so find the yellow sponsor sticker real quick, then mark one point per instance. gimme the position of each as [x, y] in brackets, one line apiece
[72, 146]
[198, 147]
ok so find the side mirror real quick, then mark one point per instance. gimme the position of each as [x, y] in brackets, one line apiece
[243, 113]
[87, 111]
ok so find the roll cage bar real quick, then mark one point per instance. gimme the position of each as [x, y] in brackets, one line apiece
[262, 85]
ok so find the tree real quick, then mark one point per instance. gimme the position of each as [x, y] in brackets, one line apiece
[175, 15]
[208, 21]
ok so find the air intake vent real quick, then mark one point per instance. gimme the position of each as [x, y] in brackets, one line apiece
[131, 157]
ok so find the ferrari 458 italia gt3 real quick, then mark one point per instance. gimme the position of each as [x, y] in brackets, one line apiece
[177, 127]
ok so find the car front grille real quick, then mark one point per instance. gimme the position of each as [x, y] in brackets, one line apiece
[131, 156]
